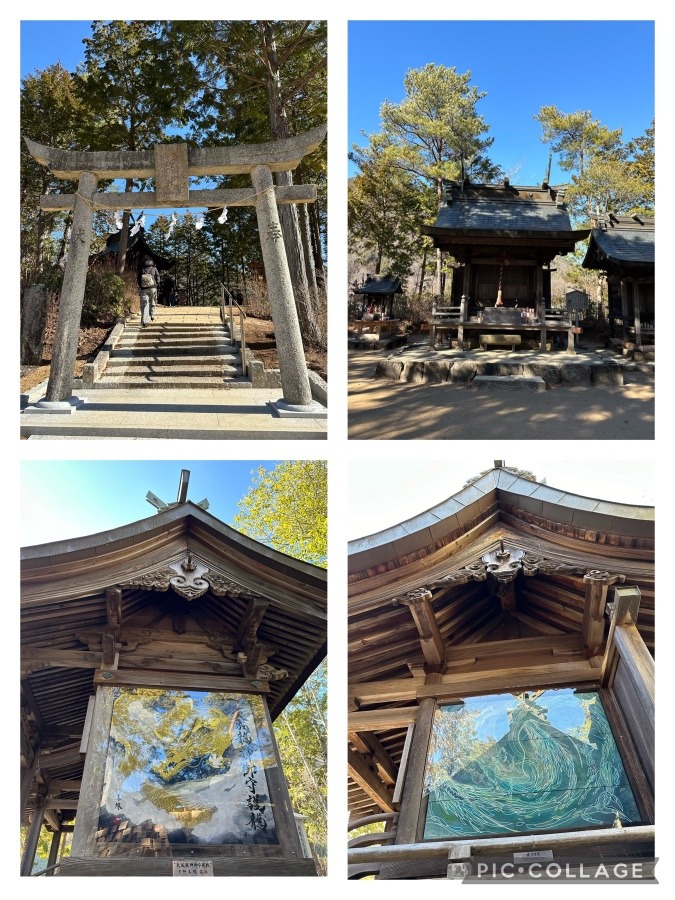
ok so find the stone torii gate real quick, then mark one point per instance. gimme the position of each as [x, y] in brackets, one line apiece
[171, 166]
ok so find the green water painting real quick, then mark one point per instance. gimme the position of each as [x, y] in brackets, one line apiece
[519, 763]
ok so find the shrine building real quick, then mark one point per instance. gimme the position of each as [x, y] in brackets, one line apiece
[154, 659]
[501, 684]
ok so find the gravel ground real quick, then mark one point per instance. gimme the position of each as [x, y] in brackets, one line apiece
[382, 410]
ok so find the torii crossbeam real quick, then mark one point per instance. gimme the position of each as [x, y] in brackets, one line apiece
[171, 166]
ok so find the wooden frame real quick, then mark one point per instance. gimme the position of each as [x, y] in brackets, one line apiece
[414, 803]
[85, 857]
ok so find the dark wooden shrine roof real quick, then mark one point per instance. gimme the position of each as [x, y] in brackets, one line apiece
[137, 249]
[384, 641]
[64, 601]
[380, 284]
[504, 210]
[622, 241]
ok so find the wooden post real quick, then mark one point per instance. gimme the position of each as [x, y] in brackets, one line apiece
[53, 852]
[541, 306]
[463, 316]
[411, 803]
[637, 309]
[593, 628]
[624, 307]
[93, 775]
[624, 612]
[27, 779]
[33, 836]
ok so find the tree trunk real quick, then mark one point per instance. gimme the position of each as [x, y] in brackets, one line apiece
[65, 240]
[316, 238]
[124, 234]
[422, 273]
[307, 251]
[438, 279]
[288, 216]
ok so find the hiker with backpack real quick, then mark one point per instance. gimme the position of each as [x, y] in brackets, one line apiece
[148, 279]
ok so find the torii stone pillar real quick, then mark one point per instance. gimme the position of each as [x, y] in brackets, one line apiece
[294, 380]
[172, 166]
[64, 351]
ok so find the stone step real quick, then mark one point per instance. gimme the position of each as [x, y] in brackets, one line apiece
[172, 382]
[176, 328]
[508, 383]
[152, 332]
[167, 352]
[215, 369]
[150, 340]
[126, 358]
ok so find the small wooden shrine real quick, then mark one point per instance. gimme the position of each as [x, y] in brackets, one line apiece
[503, 239]
[378, 293]
[623, 248]
[154, 658]
[500, 659]
[374, 324]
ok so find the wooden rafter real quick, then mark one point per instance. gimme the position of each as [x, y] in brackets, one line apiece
[419, 603]
[381, 719]
[370, 745]
[247, 633]
[368, 781]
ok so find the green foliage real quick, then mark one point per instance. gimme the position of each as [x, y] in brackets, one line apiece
[576, 137]
[104, 299]
[301, 736]
[286, 508]
[51, 114]
[436, 125]
[606, 174]
[386, 208]
[133, 84]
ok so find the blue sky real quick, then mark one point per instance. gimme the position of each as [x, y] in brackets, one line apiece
[44, 43]
[66, 499]
[606, 67]
[423, 483]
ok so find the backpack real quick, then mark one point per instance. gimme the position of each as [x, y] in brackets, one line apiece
[147, 280]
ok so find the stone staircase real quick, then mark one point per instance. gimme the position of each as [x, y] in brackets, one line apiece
[173, 354]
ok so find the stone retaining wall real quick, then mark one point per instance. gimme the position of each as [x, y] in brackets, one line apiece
[464, 371]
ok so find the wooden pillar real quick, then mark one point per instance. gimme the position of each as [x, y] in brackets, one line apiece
[570, 341]
[284, 817]
[593, 628]
[33, 836]
[88, 805]
[628, 670]
[624, 306]
[541, 305]
[411, 801]
[53, 852]
[64, 353]
[464, 304]
[27, 780]
[637, 309]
